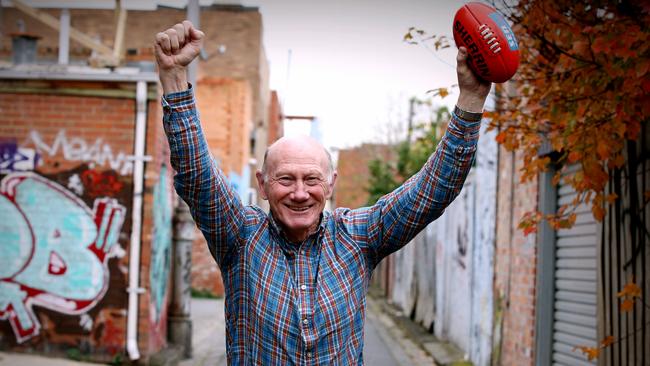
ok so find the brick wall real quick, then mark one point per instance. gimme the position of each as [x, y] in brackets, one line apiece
[276, 125]
[233, 97]
[232, 94]
[237, 28]
[353, 173]
[67, 190]
[225, 106]
[515, 266]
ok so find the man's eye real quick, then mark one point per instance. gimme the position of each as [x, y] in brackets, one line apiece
[285, 181]
[312, 181]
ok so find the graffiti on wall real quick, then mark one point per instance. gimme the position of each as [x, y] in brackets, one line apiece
[162, 240]
[240, 184]
[16, 159]
[78, 149]
[54, 250]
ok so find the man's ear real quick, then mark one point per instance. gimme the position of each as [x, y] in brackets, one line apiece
[331, 183]
[260, 184]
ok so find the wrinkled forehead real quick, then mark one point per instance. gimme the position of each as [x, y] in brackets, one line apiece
[304, 152]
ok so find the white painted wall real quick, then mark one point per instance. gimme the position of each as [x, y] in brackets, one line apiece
[453, 264]
[483, 254]
[404, 290]
[464, 239]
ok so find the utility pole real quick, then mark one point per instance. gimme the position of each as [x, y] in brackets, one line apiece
[193, 15]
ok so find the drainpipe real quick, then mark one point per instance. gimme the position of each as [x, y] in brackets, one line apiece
[136, 218]
[180, 320]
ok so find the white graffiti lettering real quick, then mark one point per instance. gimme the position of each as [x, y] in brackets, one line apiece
[75, 185]
[86, 322]
[77, 149]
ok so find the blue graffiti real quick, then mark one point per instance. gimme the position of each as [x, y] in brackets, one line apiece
[14, 158]
[162, 240]
[240, 183]
[54, 254]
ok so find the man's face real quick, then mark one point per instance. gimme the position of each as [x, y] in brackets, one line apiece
[297, 184]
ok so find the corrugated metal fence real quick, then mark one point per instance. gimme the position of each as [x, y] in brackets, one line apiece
[624, 258]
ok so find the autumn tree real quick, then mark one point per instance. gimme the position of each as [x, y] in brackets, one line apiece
[582, 87]
[581, 97]
[582, 92]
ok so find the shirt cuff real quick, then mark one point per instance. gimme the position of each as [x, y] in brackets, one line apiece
[179, 101]
[464, 130]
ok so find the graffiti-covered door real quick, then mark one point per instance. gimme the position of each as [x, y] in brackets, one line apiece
[66, 191]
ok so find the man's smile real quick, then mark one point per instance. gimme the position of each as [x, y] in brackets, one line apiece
[298, 208]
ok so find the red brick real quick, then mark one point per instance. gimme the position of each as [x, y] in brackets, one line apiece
[516, 263]
[353, 173]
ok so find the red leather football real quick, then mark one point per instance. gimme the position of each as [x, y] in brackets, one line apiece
[490, 42]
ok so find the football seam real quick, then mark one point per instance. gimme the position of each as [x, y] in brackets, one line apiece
[502, 63]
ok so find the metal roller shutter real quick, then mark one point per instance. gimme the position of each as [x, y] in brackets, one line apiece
[574, 318]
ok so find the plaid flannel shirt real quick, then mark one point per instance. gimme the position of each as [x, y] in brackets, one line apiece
[303, 304]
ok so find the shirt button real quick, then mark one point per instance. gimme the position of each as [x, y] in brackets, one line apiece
[302, 252]
[303, 287]
[305, 321]
[308, 354]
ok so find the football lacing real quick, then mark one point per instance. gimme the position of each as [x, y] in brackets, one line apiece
[491, 40]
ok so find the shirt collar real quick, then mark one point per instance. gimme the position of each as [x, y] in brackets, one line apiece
[275, 226]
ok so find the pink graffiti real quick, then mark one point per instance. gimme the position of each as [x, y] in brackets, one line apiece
[55, 250]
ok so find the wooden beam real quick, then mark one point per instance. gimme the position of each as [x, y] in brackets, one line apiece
[308, 118]
[64, 37]
[52, 22]
[118, 45]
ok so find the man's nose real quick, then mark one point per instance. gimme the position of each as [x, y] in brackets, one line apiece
[300, 191]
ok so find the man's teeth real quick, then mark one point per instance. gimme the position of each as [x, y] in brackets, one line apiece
[299, 208]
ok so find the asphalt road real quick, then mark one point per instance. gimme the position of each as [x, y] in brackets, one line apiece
[376, 352]
[209, 342]
[209, 346]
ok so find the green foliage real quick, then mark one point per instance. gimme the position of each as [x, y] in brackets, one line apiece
[74, 354]
[118, 359]
[203, 294]
[412, 153]
[382, 179]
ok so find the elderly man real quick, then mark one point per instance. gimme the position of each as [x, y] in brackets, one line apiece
[296, 278]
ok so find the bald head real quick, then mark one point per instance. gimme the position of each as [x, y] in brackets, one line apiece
[297, 146]
[297, 178]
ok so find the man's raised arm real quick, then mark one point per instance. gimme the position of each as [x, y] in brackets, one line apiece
[397, 217]
[216, 209]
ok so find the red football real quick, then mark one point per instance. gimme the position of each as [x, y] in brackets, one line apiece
[492, 46]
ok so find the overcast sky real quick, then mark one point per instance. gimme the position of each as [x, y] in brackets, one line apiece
[349, 65]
